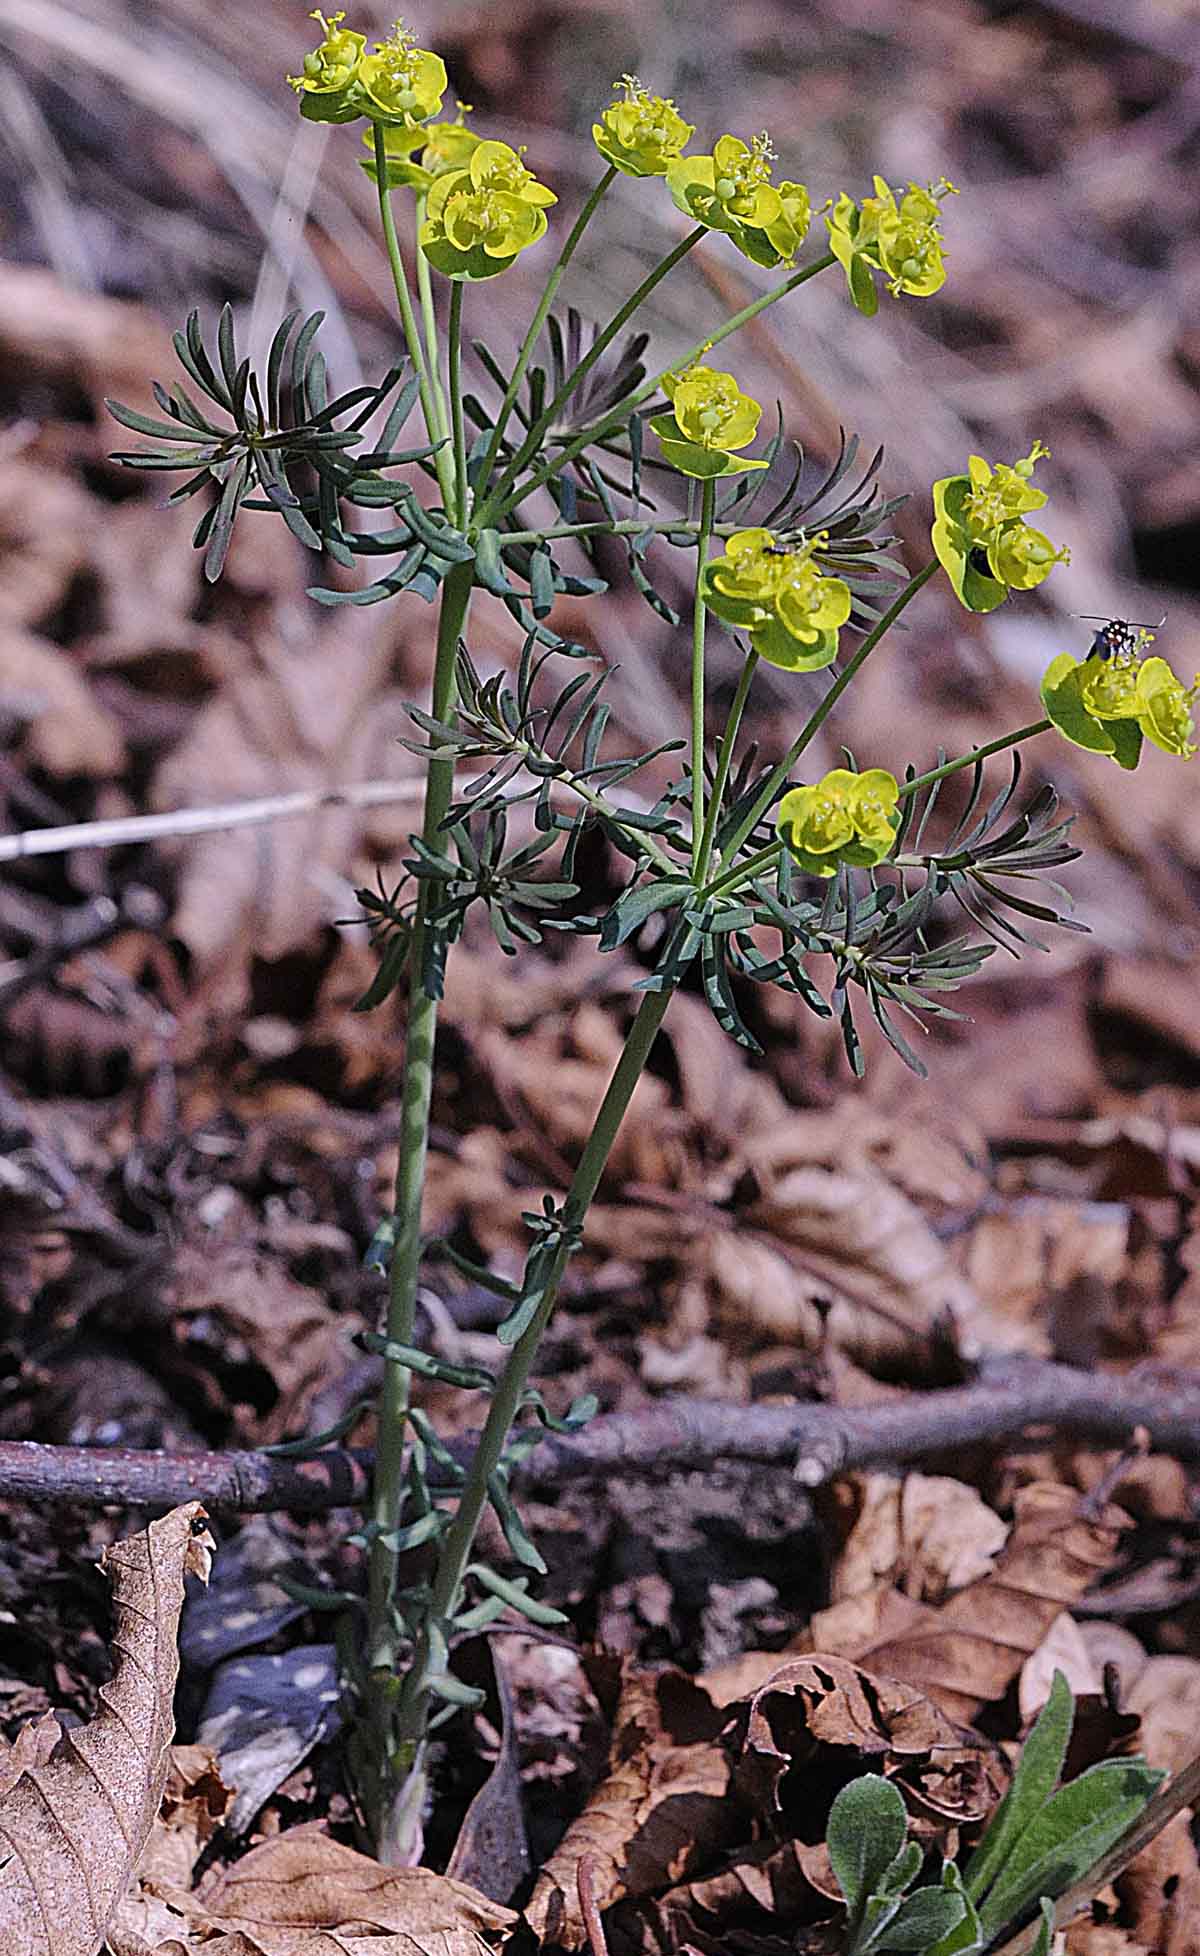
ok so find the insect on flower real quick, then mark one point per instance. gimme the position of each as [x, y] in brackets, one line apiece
[1118, 637]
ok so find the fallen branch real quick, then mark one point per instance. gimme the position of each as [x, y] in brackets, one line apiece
[1011, 1398]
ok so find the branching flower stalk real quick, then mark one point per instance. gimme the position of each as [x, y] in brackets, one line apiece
[746, 873]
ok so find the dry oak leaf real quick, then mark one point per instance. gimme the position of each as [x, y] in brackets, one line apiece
[820, 1706]
[925, 1533]
[72, 1829]
[966, 1654]
[303, 1894]
[660, 1813]
[889, 1282]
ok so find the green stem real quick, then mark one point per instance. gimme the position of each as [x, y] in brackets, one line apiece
[779, 775]
[537, 322]
[429, 402]
[743, 871]
[648, 387]
[536, 434]
[455, 1552]
[708, 501]
[461, 491]
[429, 316]
[976, 754]
[724, 759]
[416, 1095]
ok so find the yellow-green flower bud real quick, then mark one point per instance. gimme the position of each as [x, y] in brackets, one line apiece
[327, 85]
[400, 82]
[643, 134]
[712, 418]
[843, 818]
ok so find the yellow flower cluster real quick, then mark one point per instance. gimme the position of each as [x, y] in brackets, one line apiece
[397, 83]
[843, 818]
[478, 218]
[980, 535]
[712, 418]
[791, 611]
[902, 240]
[731, 191]
[1108, 705]
[641, 134]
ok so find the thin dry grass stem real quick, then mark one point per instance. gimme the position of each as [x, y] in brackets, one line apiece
[585, 1880]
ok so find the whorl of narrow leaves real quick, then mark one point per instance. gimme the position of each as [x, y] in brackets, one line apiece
[276, 443]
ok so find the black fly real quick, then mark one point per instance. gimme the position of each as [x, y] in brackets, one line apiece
[1117, 637]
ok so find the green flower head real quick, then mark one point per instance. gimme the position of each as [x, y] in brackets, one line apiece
[792, 612]
[903, 240]
[479, 218]
[845, 818]
[444, 146]
[980, 536]
[1109, 705]
[711, 418]
[642, 135]
[731, 191]
[327, 84]
[401, 83]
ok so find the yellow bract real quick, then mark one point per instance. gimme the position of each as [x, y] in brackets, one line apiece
[712, 418]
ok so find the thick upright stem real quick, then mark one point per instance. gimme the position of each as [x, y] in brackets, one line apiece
[416, 1094]
[724, 762]
[457, 1544]
[699, 617]
[461, 491]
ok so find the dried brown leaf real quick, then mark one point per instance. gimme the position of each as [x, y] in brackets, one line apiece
[303, 1894]
[966, 1654]
[660, 1813]
[925, 1533]
[72, 1829]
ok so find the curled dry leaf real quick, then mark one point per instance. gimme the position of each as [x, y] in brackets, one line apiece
[661, 1812]
[73, 1825]
[823, 1710]
[966, 1654]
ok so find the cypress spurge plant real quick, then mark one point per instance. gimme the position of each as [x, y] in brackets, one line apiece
[751, 871]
